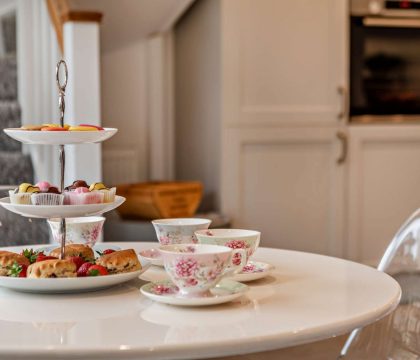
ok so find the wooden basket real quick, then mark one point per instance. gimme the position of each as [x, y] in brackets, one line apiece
[157, 200]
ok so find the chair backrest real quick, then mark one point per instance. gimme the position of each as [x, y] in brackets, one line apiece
[397, 336]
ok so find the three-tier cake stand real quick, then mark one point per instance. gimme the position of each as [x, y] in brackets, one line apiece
[61, 138]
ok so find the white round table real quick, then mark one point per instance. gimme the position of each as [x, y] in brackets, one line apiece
[307, 298]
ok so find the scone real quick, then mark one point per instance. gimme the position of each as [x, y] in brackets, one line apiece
[75, 250]
[120, 261]
[8, 258]
[52, 269]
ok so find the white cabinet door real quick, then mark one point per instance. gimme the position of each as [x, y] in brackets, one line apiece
[384, 186]
[287, 184]
[283, 61]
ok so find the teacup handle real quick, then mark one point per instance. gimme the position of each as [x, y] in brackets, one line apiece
[234, 269]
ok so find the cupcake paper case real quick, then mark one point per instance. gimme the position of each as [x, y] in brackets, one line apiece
[74, 198]
[20, 198]
[47, 199]
[109, 195]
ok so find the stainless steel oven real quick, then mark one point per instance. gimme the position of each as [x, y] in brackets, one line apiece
[384, 60]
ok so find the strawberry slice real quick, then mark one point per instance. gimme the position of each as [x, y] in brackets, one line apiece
[77, 260]
[97, 270]
[43, 257]
[83, 269]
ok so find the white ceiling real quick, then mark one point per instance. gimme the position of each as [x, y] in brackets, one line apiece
[126, 21]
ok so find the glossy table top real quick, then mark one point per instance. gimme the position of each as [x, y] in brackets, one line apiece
[308, 297]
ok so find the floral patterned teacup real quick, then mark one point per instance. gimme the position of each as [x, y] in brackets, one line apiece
[179, 231]
[233, 238]
[83, 230]
[196, 268]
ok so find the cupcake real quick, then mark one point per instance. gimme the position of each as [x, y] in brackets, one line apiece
[109, 194]
[82, 196]
[49, 195]
[22, 195]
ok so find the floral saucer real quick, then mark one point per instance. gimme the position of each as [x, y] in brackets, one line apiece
[253, 270]
[152, 255]
[168, 293]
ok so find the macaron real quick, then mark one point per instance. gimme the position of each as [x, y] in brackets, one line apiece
[31, 127]
[95, 126]
[82, 128]
[53, 128]
[66, 126]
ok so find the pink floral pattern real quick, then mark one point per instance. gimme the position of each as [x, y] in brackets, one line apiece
[186, 267]
[237, 244]
[187, 249]
[162, 289]
[165, 240]
[196, 274]
[91, 235]
[251, 268]
[236, 259]
[240, 244]
[177, 234]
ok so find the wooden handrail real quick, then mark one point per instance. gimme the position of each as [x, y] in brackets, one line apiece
[56, 8]
[60, 13]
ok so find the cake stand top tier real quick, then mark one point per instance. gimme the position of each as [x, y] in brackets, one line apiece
[60, 137]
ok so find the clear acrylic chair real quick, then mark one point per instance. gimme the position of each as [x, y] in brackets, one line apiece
[397, 336]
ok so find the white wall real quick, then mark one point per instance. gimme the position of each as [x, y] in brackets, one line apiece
[197, 98]
[123, 91]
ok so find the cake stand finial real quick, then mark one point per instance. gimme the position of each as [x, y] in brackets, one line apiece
[62, 107]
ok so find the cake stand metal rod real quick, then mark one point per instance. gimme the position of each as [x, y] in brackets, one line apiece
[62, 107]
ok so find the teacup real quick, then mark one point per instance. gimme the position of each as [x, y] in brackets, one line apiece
[83, 230]
[233, 238]
[197, 268]
[179, 231]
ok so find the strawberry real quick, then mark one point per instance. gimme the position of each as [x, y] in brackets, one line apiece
[83, 269]
[31, 254]
[108, 251]
[105, 252]
[97, 270]
[18, 270]
[77, 260]
[43, 257]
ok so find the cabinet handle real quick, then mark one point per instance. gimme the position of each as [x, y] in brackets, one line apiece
[344, 147]
[342, 91]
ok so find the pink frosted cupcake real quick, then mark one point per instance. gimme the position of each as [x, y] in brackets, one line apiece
[49, 195]
[82, 196]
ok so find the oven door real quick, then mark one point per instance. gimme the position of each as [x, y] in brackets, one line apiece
[384, 68]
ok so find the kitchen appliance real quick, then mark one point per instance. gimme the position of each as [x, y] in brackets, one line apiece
[384, 60]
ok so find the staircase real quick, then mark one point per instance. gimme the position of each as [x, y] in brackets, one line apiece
[15, 167]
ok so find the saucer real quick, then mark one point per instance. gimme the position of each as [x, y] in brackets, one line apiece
[253, 270]
[152, 255]
[168, 293]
